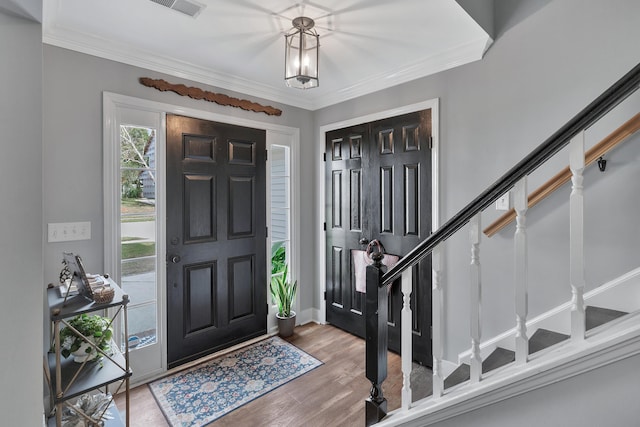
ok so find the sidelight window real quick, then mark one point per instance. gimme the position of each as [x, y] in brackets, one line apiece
[138, 249]
[280, 196]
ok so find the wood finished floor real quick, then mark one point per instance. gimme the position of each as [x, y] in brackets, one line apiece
[330, 395]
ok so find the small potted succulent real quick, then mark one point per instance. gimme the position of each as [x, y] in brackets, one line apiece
[284, 293]
[95, 328]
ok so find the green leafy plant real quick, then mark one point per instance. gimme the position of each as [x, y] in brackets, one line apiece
[278, 258]
[283, 292]
[96, 328]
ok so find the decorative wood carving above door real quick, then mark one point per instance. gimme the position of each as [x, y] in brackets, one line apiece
[218, 98]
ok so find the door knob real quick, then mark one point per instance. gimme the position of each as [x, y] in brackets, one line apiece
[175, 258]
[363, 241]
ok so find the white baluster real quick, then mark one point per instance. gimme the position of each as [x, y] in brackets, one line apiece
[576, 236]
[407, 336]
[521, 268]
[437, 317]
[474, 303]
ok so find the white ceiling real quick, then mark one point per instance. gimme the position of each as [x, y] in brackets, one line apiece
[365, 45]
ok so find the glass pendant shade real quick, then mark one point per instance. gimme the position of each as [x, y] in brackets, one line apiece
[301, 55]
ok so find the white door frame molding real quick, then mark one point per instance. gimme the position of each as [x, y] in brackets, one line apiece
[112, 102]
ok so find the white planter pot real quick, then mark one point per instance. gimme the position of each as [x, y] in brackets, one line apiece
[81, 354]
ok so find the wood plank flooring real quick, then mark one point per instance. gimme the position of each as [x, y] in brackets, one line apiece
[330, 395]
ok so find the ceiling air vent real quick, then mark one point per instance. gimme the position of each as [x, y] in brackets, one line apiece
[190, 8]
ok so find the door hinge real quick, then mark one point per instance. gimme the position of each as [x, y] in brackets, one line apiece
[324, 157]
[267, 232]
[430, 143]
[325, 295]
[324, 226]
[266, 155]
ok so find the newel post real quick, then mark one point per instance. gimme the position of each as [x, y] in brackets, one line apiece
[376, 341]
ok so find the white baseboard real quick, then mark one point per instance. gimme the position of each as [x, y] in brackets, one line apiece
[308, 315]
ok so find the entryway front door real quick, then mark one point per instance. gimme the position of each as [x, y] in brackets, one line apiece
[216, 231]
[378, 186]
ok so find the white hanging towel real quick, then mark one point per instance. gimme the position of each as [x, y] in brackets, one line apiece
[360, 262]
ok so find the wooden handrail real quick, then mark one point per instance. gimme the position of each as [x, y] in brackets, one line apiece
[598, 150]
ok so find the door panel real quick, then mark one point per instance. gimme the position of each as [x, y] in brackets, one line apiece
[199, 208]
[346, 201]
[403, 159]
[386, 197]
[241, 284]
[216, 230]
[201, 290]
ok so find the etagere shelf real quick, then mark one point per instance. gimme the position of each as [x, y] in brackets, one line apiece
[68, 379]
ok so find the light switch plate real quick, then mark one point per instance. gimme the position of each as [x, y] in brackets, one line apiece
[68, 231]
[502, 204]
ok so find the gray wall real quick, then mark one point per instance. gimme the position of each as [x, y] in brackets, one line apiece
[73, 86]
[549, 60]
[482, 12]
[29, 9]
[21, 315]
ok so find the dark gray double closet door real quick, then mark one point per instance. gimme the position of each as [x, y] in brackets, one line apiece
[378, 186]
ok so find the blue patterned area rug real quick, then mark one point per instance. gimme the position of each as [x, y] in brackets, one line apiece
[205, 392]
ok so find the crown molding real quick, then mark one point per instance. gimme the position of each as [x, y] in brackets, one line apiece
[460, 55]
[91, 45]
[102, 48]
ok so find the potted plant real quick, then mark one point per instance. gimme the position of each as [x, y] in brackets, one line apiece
[284, 293]
[96, 329]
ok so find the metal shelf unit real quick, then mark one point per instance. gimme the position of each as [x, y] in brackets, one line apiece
[69, 379]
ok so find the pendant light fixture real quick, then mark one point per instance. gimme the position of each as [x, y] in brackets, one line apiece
[301, 54]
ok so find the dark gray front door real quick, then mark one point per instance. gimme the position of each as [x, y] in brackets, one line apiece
[216, 230]
[378, 186]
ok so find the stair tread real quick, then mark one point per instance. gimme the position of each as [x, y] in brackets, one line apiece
[498, 358]
[543, 338]
[597, 316]
[461, 374]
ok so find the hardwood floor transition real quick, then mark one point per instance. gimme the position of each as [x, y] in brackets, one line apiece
[330, 395]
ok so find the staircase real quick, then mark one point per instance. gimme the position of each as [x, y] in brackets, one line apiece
[540, 340]
[572, 339]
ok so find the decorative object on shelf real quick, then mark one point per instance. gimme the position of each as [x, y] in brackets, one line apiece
[93, 406]
[79, 278]
[218, 98]
[301, 54]
[95, 328]
[65, 274]
[284, 293]
[103, 294]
